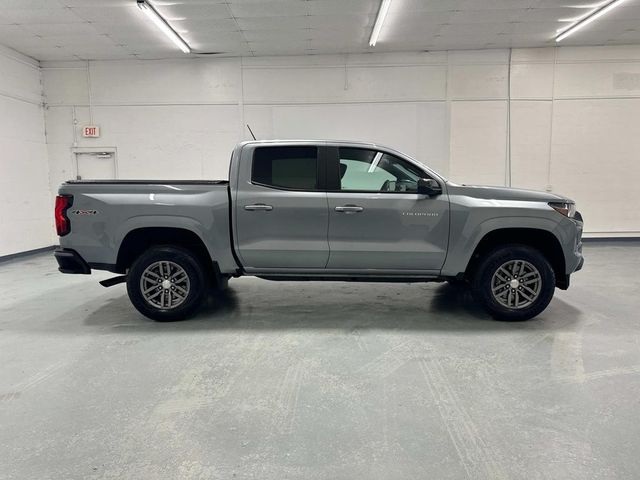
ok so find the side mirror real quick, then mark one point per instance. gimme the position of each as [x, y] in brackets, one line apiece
[428, 186]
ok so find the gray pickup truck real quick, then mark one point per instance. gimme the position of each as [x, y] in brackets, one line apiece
[319, 210]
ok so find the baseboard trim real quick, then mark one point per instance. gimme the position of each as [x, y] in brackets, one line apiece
[28, 253]
[611, 239]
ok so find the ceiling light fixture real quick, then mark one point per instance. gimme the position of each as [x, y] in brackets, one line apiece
[162, 24]
[591, 16]
[382, 14]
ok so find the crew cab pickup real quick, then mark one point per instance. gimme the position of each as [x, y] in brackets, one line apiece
[319, 210]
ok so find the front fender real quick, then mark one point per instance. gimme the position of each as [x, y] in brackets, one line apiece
[465, 238]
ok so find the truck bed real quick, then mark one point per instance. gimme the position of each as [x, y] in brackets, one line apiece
[104, 213]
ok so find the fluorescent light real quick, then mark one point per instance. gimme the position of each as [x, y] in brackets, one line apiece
[382, 14]
[162, 24]
[593, 15]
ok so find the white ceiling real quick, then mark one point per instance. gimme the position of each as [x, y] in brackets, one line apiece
[117, 29]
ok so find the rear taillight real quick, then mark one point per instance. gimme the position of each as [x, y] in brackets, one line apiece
[63, 202]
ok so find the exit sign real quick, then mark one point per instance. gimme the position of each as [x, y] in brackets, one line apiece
[91, 131]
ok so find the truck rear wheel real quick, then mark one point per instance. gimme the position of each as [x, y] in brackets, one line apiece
[514, 282]
[166, 283]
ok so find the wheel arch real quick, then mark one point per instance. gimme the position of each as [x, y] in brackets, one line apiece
[139, 240]
[542, 240]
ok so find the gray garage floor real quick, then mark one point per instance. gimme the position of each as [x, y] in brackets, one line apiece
[320, 380]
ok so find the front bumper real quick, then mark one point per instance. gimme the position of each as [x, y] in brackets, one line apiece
[70, 261]
[577, 250]
[572, 249]
[573, 257]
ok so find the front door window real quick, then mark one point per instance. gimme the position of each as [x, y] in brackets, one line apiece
[364, 170]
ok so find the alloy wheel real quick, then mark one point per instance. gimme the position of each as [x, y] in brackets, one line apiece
[516, 284]
[165, 285]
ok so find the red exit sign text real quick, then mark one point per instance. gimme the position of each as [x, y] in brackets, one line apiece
[91, 131]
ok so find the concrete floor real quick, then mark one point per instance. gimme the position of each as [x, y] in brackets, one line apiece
[320, 381]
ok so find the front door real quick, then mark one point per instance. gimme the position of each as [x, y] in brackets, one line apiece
[377, 220]
[281, 214]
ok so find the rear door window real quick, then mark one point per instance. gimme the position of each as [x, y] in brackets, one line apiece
[290, 168]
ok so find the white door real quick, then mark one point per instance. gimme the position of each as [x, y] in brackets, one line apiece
[96, 165]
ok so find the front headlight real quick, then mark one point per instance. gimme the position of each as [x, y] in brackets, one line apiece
[568, 209]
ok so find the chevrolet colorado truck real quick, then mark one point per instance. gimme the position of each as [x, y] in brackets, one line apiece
[319, 210]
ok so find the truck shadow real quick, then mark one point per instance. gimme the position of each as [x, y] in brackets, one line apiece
[278, 306]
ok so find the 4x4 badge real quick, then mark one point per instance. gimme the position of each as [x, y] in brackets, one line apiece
[84, 212]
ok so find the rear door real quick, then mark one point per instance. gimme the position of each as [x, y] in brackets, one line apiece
[281, 212]
[377, 220]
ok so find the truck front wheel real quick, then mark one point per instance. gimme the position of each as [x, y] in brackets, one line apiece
[514, 282]
[166, 283]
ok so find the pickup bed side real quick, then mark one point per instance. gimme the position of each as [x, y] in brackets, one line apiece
[125, 214]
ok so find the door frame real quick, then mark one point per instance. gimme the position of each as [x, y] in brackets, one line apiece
[242, 176]
[80, 150]
[333, 181]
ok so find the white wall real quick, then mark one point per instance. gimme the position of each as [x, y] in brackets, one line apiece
[565, 119]
[26, 216]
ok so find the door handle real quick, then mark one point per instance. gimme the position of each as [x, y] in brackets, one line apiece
[349, 209]
[258, 206]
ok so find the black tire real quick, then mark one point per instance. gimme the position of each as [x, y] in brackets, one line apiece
[483, 283]
[189, 303]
